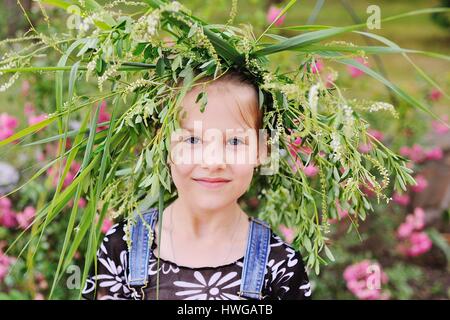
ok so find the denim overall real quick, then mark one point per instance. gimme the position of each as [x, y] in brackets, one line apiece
[255, 259]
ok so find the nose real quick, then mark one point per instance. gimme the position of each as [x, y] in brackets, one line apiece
[213, 156]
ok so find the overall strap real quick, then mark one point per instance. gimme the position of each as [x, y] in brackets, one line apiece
[139, 254]
[255, 260]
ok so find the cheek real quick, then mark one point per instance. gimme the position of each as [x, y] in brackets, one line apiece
[181, 175]
[243, 175]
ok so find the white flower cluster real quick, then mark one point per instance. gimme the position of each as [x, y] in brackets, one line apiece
[377, 106]
[146, 27]
[174, 6]
[11, 80]
[313, 98]
[348, 121]
[90, 67]
[336, 146]
[108, 73]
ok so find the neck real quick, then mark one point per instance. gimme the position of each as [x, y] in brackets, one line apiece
[202, 223]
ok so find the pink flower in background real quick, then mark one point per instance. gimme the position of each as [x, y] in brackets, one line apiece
[7, 125]
[272, 14]
[434, 154]
[341, 213]
[5, 204]
[107, 224]
[8, 217]
[295, 147]
[28, 109]
[417, 244]
[355, 72]
[5, 263]
[310, 170]
[317, 66]
[25, 89]
[417, 154]
[25, 218]
[288, 233]
[439, 127]
[103, 116]
[39, 296]
[36, 119]
[414, 241]
[329, 80]
[53, 172]
[364, 280]
[365, 147]
[376, 134]
[435, 95]
[421, 185]
[367, 189]
[81, 203]
[405, 151]
[413, 222]
[401, 199]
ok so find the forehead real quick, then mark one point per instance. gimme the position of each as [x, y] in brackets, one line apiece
[227, 105]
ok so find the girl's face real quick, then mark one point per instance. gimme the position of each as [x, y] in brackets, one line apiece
[214, 153]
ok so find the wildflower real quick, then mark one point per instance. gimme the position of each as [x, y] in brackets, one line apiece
[421, 185]
[414, 241]
[313, 98]
[288, 233]
[28, 109]
[330, 79]
[364, 280]
[25, 218]
[435, 95]
[104, 116]
[434, 154]
[376, 134]
[336, 146]
[401, 199]
[5, 263]
[272, 14]
[417, 244]
[341, 213]
[36, 119]
[146, 27]
[25, 89]
[310, 170]
[354, 71]
[440, 128]
[365, 147]
[348, 121]
[74, 168]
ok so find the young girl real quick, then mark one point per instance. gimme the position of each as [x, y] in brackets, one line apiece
[210, 248]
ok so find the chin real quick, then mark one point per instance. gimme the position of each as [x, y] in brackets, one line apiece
[210, 202]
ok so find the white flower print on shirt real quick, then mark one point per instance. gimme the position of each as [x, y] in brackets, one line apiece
[115, 278]
[209, 290]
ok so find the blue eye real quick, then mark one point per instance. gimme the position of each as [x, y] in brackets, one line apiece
[192, 140]
[236, 141]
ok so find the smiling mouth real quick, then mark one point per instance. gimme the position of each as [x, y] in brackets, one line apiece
[212, 183]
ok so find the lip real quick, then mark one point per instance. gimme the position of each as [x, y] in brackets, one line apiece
[212, 183]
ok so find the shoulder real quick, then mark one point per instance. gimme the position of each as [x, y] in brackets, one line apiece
[282, 252]
[286, 276]
[115, 238]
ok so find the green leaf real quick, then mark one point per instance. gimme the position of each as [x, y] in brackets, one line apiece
[160, 67]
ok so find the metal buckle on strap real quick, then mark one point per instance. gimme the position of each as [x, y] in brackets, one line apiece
[240, 293]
